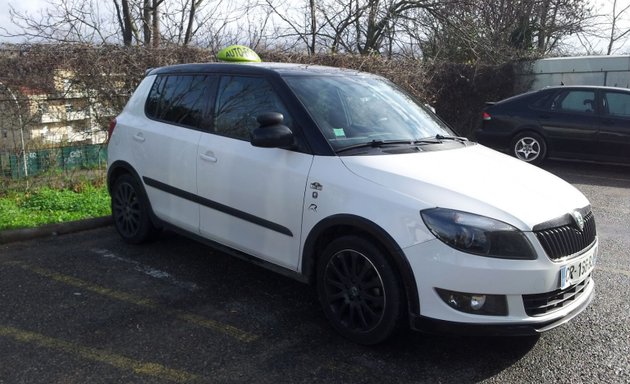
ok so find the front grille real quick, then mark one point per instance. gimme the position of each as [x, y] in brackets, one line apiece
[544, 303]
[567, 239]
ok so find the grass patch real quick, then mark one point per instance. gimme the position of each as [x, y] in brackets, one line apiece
[47, 205]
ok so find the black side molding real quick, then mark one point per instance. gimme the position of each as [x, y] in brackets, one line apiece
[217, 206]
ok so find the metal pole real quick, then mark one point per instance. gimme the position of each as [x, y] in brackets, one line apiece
[17, 104]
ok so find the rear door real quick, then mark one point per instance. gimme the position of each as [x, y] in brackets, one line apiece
[614, 130]
[570, 123]
[252, 198]
[167, 145]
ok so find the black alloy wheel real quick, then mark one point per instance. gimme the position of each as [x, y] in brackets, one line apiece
[359, 291]
[130, 211]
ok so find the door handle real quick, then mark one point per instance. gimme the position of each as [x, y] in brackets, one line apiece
[139, 137]
[208, 156]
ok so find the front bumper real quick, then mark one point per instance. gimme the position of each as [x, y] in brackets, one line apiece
[428, 325]
[436, 265]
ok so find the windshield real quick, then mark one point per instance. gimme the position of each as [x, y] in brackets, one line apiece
[353, 110]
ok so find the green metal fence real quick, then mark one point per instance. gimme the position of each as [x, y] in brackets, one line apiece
[62, 158]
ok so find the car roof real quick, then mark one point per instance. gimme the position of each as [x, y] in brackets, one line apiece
[555, 87]
[285, 69]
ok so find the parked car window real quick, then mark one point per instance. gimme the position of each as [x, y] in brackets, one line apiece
[180, 99]
[574, 101]
[617, 103]
[542, 100]
[240, 101]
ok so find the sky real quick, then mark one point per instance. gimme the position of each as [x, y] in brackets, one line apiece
[34, 6]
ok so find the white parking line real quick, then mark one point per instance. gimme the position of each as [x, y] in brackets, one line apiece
[150, 271]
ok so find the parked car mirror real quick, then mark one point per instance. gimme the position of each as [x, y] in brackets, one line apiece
[272, 133]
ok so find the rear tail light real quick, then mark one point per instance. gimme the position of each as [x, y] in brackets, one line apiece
[486, 116]
[110, 131]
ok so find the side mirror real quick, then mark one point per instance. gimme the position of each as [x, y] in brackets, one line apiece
[271, 133]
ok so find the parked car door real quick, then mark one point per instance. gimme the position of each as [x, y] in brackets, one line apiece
[614, 129]
[570, 122]
[177, 106]
[254, 196]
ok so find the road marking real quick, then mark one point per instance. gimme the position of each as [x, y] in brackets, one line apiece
[150, 271]
[118, 361]
[226, 329]
[613, 270]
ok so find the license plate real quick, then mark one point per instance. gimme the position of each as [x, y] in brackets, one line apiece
[575, 272]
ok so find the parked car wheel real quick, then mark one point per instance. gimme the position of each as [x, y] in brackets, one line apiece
[359, 290]
[529, 147]
[130, 211]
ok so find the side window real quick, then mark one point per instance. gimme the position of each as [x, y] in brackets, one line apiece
[542, 100]
[574, 101]
[181, 99]
[240, 100]
[617, 103]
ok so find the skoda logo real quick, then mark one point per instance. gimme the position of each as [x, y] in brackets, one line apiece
[579, 220]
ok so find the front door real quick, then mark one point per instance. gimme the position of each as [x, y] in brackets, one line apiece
[252, 198]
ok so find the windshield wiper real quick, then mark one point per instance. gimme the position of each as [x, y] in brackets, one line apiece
[383, 143]
[455, 138]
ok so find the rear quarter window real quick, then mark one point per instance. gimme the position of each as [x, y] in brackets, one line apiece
[541, 100]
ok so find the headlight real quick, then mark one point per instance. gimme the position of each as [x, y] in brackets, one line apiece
[478, 235]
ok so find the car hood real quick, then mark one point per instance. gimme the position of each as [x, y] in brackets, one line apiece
[474, 179]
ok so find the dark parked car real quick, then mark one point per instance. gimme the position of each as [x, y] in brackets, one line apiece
[569, 122]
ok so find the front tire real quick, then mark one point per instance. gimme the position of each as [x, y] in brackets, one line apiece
[529, 147]
[130, 211]
[359, 290]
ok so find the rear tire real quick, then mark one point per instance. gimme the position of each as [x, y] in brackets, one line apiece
[130, 211]
[359, 290]
[529, 147]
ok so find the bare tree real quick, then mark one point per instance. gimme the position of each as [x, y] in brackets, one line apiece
[617, 34]
[301, 21]
[125, 21]
[84, 21]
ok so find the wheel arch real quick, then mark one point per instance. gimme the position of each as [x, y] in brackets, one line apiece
[526, 129]
[119, 168]
[344, 224]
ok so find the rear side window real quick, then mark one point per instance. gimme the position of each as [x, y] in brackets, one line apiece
[574, 101]
[541, 100]
[181, 99]
[617, 103]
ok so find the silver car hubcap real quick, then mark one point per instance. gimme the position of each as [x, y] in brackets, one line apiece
[527, 149]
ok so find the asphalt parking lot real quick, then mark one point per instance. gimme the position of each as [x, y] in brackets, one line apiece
[87, 308]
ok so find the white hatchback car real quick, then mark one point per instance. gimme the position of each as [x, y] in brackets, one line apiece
[339, 178]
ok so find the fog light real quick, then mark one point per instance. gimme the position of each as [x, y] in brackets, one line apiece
[475, 303]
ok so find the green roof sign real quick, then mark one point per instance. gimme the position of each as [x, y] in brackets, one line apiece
[238, 53]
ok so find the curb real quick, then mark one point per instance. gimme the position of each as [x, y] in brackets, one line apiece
[13, 235]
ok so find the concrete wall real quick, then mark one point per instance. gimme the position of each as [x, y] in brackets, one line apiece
[613, 71]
